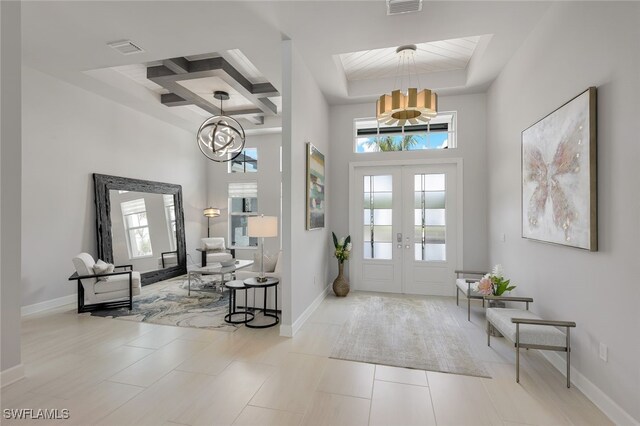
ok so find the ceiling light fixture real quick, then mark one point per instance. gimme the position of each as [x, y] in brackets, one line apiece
[221, 138]
[413, 105]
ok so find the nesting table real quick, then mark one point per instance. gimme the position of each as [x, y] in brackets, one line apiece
[269, 283]
[233, 287]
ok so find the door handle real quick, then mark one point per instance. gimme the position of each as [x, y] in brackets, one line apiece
[399, 237]
[407, 246]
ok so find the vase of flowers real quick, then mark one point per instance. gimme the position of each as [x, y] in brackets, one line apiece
[495, 284]
[342, 250]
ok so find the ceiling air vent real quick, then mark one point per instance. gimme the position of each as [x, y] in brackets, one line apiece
[397, 7]
[126, 47]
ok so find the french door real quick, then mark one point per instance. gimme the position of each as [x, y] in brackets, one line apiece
[404, 228]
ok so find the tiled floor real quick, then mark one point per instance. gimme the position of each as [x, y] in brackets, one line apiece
[114, 372]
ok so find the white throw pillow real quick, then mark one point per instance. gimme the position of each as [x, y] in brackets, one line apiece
[216, 244]
[102, 267]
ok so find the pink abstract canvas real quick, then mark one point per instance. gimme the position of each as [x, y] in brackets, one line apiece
[558, 175]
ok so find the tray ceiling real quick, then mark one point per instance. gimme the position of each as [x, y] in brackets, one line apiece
[435, 56]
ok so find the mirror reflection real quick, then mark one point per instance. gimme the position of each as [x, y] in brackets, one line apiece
[143, 229]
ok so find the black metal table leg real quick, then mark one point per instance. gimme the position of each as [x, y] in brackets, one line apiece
[233, 286]
[270, 282]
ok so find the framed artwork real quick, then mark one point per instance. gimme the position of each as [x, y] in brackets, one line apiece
[315, 188]
[559, 200]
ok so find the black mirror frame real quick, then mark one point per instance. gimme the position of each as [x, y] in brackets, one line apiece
[102, 185]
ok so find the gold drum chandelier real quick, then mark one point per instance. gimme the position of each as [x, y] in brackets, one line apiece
[413, 105]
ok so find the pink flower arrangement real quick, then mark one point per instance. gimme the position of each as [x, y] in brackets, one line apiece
[494, 283]
[485, 286]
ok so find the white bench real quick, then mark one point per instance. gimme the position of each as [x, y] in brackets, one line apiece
[527, 330]
[463, 284]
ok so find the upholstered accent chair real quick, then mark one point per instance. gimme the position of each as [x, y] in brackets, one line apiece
[105, 290]
[214, 251]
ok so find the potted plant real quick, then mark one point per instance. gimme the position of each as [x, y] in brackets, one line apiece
[342, 250]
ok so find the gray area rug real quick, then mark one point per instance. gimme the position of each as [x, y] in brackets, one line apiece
[167, 303]
[415, 333]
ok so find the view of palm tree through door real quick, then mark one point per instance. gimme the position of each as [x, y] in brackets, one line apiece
[404, 228]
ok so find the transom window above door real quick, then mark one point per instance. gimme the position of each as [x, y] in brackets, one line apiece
[439, 133]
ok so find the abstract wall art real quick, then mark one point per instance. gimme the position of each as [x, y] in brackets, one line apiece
[559, 200]
[315, 188]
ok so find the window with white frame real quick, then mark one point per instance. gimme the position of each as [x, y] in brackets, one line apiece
[246, 162]
[243, 203]
[439, 133]
[136, 227]
[170, 214]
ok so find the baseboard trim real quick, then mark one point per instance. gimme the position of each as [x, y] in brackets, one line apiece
[608, 406]
[291, 330]
[11, 375]
[48, 304]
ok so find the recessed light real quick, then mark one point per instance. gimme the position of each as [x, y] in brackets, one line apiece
[126, 47]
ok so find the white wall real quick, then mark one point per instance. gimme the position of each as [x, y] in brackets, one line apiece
[10, 180]
[268, 177]
[305, 119]
[577, 45]
[68, 134]
[471, 148]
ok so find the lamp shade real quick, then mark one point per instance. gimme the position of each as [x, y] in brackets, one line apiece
[263, 226]
[211, 212]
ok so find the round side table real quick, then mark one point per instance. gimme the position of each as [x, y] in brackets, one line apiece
[269, 283]
[234, 286]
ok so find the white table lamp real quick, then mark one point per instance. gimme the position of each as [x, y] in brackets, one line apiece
[262, 226]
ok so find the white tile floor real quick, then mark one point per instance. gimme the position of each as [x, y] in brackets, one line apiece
[113, 372]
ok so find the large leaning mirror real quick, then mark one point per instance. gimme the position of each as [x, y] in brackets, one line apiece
[141, 223]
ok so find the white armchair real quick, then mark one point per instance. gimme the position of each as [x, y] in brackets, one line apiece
[104, 290]
[274, 272]
[213, 250]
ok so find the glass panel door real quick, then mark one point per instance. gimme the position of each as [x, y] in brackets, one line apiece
[430, 217]
[376, 259]
[378, 220]
[404, 229]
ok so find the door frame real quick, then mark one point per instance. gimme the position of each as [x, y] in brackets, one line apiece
[458, 162]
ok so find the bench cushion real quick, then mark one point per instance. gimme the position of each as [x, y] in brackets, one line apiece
[464, 287]
[500, 318]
